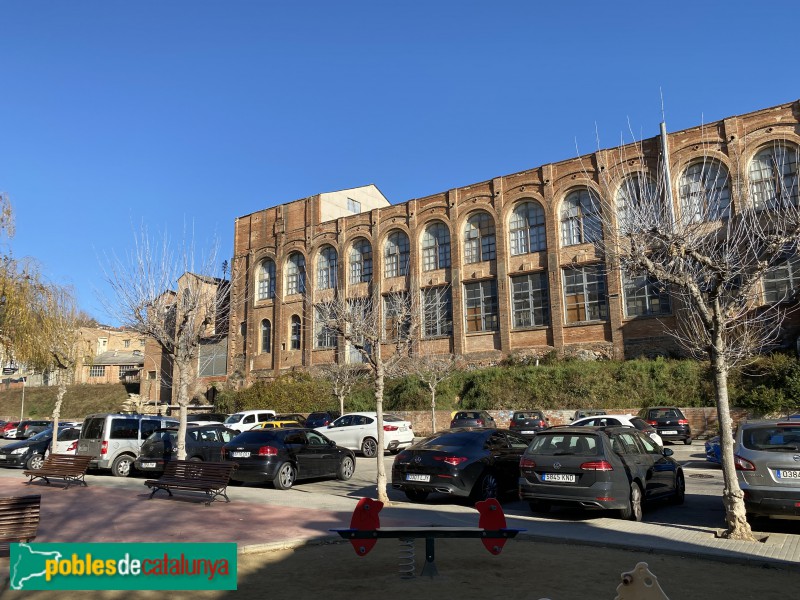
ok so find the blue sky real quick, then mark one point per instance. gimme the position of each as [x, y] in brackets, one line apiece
[191, 113]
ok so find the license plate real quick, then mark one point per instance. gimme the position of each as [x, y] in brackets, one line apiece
[404, 429]
[416, 477]
[527, 432]
[670, 432]
[149, 465]
[3, 457]
[560, 477]
[784, 474]
[240, 454]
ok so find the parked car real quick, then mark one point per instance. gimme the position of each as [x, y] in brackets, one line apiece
[322, 418]
[9, 430]
[30, 453]
[246, 419]
[608, 468]
[713, 450]
[767, 459]
[296, 417]
[26, 429]
[206, 418]
[359, 431]
[284, 456]
[670, 423]
[475, 463]
[626, 420]
[528, 423]
[589, 412]
[113, 440]
[278, 424]
[203, 443]
[472, 418]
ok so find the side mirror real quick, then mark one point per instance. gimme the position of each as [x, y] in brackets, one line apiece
[668, 452]
[331, 443]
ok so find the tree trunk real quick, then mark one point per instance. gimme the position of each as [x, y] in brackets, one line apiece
[732, 495]
[183, 402]
[341, 404]
[62, 389]
[379, 374]
[433, 407]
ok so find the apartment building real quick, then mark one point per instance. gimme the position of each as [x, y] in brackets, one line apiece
[501, 266]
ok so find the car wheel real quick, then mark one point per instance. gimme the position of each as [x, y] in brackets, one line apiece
[687, 441]
[416, 495]
[369, 447]
[285, 477]
[487, 487]
[35, 462]
[195, 459]
[121, 467]
[633, 512]
[346, 469]
[680, 489]
[539, 506]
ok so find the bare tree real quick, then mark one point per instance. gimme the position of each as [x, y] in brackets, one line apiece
[432, 369]
[175, 300]
[366, 328]
[343, 376]
[716, 252]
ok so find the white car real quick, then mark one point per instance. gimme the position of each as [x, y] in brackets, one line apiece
[359, 431]
[625, 420]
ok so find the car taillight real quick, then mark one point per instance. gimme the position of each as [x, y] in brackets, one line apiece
[104, 448]
[653, 423]
[541, 423]
[511, 423]
[597, 465]
[73, 446]
[527, 463]
[683, 422]
[451, 460]
[390, 427]
[742, 464]
[268, 451]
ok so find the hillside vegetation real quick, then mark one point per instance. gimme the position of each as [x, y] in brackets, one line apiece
[771, 385]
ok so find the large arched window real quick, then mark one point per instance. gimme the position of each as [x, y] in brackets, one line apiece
[396, 254]
[266, 280]
[361, 261]
[704, 191]
[296, 274]
[295, 333]
[435, 247]
[326, 268]
[773, 176]
[580, 218]
[266, 336]
[526, 229]
[638, 202]
[479, 238]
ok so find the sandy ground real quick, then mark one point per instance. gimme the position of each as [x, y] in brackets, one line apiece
[525, 569]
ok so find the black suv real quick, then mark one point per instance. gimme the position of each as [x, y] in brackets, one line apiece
[28, 428]
[203, 443]
[527, 422]
[321, 418]
[670, 423]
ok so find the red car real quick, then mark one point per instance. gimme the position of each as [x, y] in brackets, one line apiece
[7, 427]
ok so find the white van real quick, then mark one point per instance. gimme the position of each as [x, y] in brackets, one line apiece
[246, 419]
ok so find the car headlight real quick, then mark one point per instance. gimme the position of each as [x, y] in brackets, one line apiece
[19, 451]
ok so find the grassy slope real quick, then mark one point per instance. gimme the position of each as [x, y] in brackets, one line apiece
[79, 401]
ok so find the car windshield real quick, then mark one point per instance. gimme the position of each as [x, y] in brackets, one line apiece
[772, 438]
[42, 435]
[234, 419]
[640, 424]
[392, 418]
[255, 436]
[564, 444]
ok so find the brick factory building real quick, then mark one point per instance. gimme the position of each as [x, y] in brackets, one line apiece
[502, 266]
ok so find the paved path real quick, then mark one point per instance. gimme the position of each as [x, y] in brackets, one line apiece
[106, 511]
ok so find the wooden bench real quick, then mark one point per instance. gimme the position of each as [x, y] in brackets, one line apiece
[209, 477]
[69, 467]
[19, 520]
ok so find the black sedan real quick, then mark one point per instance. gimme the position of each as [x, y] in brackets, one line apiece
[607, 468]
[477, 463]
[30, 453]
[203, 442]
[284, 456]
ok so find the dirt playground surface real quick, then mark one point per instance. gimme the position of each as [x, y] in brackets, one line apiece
[525, 569]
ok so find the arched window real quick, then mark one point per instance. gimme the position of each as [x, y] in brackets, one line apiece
[526, 229]
[479, 240]
[361, 261]
[637, 202]
[580, 218]
[704, 192]
[266, 336]
[266, 280]
[296, 274]
[773, 176]
[396, 254]
[326, 268]
[435, 247]
[295, 333]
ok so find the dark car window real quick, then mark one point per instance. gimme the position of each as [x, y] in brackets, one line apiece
[641, 424]
[124, 429]
[315, 439]
[569, 443]
[515, 441]
[392, 418]
[453, 440]
[250, 419]
[69, 434]
[497, 441]
[163, 435]
[362, 420]
[208, 435]
[343, 421]
[649, 446]
[629, 441]
[149, 426]
[772, 438]
[256, 436]
[43, 435]
[295, 437]
[226, 435]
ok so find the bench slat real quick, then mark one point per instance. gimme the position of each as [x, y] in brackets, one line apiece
[19, 519]
[70, 467]
[209, 477]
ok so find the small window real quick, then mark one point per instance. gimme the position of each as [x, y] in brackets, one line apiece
[149, 426]
[124, 429]
[97, 371]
